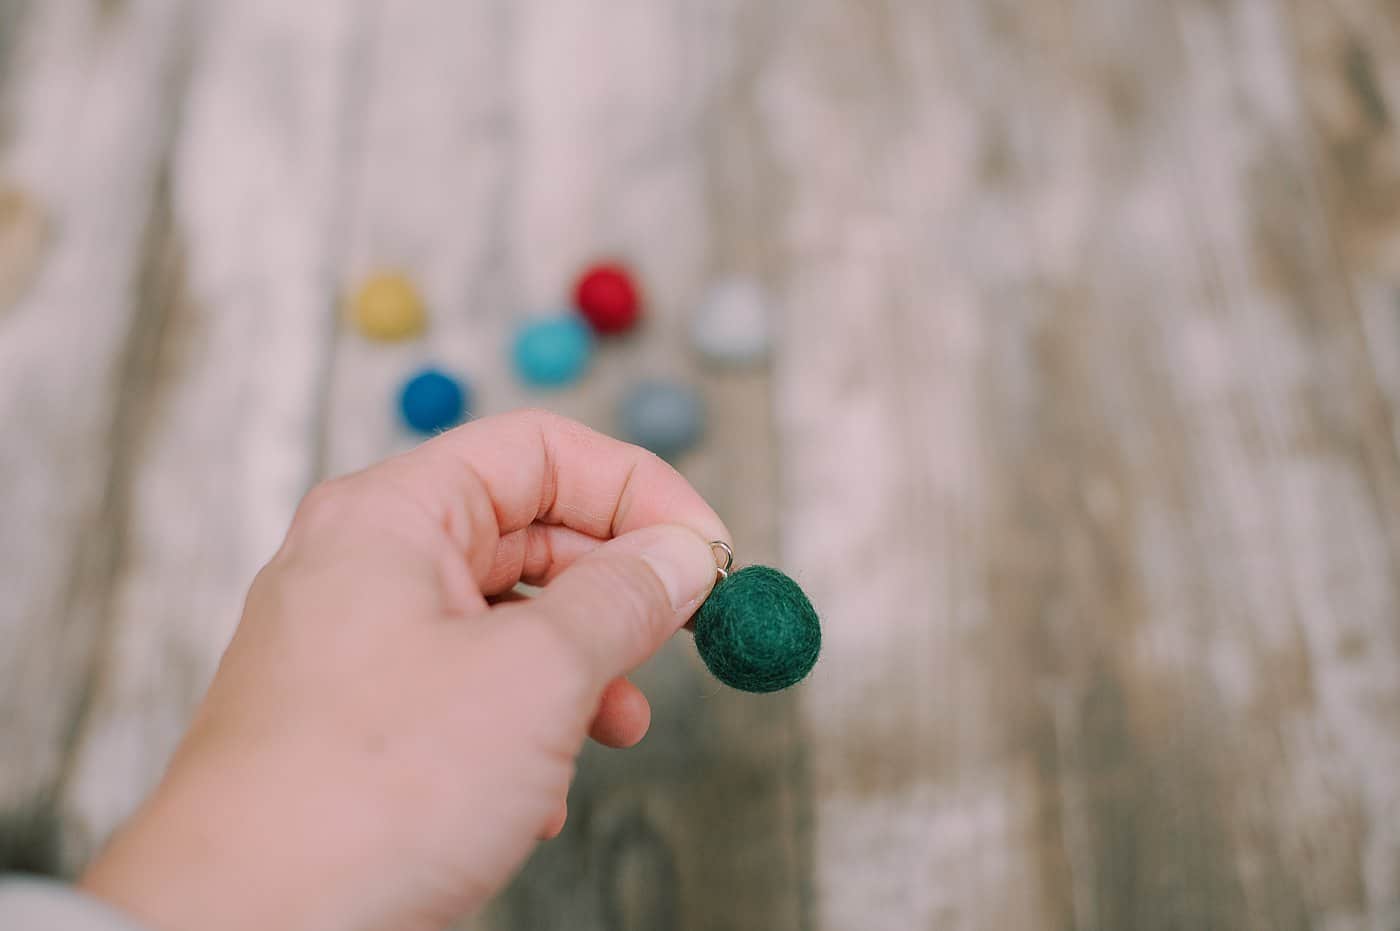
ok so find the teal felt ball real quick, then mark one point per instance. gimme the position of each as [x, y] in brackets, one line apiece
[552, 352]
[757, 631]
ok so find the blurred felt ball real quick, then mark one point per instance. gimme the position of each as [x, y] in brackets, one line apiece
[607, 297]
[24, 234]
[732, 326]
[552, 352]
[388, 308]
[665, 417]
[433, 401]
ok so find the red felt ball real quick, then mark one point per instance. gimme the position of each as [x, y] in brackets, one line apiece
[607, 297]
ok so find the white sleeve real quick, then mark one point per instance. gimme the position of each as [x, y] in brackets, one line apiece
[30, 904]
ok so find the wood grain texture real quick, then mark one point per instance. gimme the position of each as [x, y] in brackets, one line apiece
[12, 24]
[88, 116]
[244, 287]
[1119, 529]
[1082, 432]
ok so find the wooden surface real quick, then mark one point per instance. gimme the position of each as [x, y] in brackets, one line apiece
[1082, 431]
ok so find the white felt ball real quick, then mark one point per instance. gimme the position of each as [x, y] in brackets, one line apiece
[733, 324]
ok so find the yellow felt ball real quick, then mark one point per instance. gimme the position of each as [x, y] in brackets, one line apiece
[388, 308]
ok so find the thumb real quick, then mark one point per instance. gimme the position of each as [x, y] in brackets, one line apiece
[622, 601]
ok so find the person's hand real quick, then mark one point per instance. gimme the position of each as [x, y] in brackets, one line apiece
[390, 731]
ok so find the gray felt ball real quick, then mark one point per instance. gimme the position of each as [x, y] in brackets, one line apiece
[665, 417]
[732, 326]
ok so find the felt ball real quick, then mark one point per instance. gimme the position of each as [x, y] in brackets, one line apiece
[757, 631]
[433, 401]
[732, 325]
[552, 352]
[24, 234]
[607, 297]
[388, 308]
[666, 417]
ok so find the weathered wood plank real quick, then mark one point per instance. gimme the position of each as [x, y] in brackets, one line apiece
[928, 808]
[492, 189]
[226, 447]
[1086, 407]
[1347, 61]
[1093, 490]
[88, 116]
[12, 21]
[1320, 518]
[1347, 72]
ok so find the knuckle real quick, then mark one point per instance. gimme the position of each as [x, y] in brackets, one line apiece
[551, 422]
[542, 418]
[328, 509]
[324, 503]
[538, 413]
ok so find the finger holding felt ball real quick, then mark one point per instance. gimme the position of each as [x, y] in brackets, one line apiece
[758, 631]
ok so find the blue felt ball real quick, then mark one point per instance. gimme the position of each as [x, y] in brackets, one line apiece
[663, 416]
[432, 401]
[553, 352]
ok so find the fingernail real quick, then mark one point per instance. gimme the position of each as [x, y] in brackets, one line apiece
[682, 561]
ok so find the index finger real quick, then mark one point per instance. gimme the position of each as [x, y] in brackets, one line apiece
[537, 466]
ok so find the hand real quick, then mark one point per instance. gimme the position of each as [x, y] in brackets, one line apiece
[390, 732]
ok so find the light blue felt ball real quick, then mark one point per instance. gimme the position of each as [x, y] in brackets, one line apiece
[666, 417]
[433, 401]
[552, 352]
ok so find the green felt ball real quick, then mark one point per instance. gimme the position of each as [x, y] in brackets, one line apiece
[757, 631]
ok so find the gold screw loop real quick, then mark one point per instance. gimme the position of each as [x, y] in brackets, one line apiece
[723, 571]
